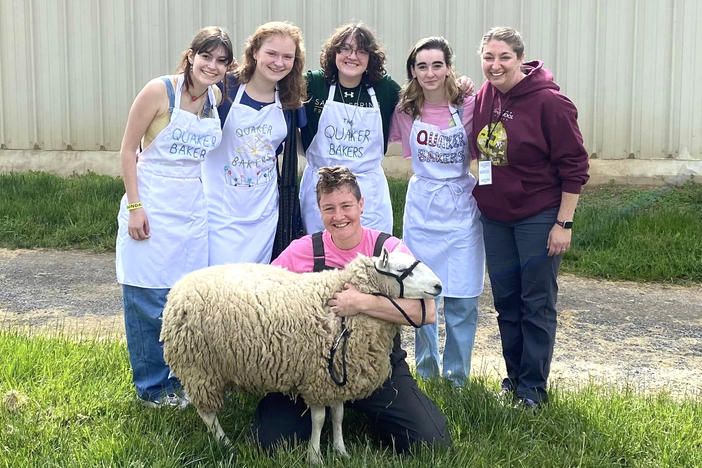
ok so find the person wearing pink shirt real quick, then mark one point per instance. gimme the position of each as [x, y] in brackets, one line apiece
[441, 222]
[399, 412]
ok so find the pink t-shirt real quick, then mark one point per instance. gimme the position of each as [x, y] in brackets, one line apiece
[435, 114]
[298, 256]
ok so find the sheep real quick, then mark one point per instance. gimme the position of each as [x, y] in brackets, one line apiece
[260, 329]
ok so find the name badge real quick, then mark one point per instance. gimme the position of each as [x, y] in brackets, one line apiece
[485, 172]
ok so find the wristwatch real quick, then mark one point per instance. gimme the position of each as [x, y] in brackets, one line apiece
[565, 224]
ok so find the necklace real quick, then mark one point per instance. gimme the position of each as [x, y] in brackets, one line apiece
[195, 98]
[355, 106]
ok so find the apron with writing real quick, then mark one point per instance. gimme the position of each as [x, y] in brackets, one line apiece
[241, 188]
[441, 221]
[170, 190]
[350, 136]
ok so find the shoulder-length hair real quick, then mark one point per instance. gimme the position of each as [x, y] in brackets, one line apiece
[412, 95]
[293, 87]
[206, 40]
[365, 39]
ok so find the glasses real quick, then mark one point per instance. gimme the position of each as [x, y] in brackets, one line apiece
[346, 51]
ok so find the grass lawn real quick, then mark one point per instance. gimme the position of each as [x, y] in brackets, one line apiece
[620, 233]
[75, 406]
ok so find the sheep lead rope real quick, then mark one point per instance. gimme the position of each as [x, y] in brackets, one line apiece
[345, 332]
[343, 335]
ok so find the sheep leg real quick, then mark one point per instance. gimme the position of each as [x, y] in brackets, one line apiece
[314, 455]
[337, 415]
[212, 423]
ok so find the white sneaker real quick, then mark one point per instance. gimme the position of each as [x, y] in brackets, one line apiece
[171, 400]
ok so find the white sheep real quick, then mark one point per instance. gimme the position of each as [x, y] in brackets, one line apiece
[260, 328]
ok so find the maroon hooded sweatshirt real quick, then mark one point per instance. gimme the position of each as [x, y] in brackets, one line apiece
[535, 146]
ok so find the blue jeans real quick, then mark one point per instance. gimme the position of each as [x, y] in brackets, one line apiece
[524, 289]
[461, 318]
[142, 323]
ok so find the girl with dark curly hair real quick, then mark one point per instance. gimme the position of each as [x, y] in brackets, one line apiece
[351, 100]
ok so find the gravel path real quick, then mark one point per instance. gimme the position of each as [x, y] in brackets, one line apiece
[649, 335]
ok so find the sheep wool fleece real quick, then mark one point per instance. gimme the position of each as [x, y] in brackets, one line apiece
[261, 329]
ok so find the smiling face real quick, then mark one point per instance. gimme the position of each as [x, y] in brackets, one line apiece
[208, 67]
[430, 70]
[351, 62]
[501, 65]
[341, 215]
[275, 58]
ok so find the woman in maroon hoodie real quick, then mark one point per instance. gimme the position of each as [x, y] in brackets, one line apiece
[531, 167]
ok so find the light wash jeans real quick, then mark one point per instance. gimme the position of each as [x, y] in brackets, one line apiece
[143, 308]
[461, 318]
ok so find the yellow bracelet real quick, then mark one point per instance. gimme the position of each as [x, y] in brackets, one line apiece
[134, 206]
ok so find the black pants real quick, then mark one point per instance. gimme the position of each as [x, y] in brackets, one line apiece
[399, 412]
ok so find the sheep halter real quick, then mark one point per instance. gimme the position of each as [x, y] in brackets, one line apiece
[400, 279]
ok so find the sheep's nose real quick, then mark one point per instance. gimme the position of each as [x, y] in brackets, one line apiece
[437, 288]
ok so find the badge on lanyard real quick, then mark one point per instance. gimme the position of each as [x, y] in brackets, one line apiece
[485, 172]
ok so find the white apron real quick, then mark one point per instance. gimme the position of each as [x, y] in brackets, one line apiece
[240, 179]
[170, 189]
[441, 223]
[350, 136]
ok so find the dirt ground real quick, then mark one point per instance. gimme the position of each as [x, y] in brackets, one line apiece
[646, 335]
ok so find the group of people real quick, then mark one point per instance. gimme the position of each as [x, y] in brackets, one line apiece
[200, 162]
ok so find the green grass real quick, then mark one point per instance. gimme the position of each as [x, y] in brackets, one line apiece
[80, 411]
[43, 210]
[620, 233]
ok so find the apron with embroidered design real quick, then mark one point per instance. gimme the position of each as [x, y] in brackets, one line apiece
[241, 188]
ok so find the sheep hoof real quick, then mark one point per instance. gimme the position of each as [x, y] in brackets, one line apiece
[314, 457]
[343, 453]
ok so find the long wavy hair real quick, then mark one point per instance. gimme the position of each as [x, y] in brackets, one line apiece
[293, 87]
[412, 94]
[365, 39]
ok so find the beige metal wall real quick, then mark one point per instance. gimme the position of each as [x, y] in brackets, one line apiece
[69, 69]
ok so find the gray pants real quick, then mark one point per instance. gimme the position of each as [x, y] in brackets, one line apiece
[524, 289]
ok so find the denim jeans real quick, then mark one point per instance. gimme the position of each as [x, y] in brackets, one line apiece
[524, 289]
[142, 323]
[461, 318]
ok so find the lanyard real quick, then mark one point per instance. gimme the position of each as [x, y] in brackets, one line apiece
[491, 128]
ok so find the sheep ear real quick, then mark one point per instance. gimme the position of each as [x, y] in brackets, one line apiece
[384, 259]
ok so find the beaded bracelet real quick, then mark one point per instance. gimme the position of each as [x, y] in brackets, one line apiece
[134, 206]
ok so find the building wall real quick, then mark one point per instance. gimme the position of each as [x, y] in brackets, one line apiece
[69, 69]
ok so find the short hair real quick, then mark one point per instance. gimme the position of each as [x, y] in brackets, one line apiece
[505, 34]
[335, 177]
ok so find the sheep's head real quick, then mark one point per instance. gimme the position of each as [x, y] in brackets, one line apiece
[400, 275]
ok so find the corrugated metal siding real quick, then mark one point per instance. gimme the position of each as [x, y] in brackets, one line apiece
[69, 69]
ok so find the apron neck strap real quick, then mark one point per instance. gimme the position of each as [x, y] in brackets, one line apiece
[178, 91]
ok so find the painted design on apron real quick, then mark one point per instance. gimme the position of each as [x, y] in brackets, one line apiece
[453, 147]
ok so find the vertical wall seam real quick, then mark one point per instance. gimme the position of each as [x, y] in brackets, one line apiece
[33, 79]
[597, 95]
[67, 78]
[101, 74]
[167, 36]
[131, 49]
[632, 83]
[3, 142]
[673, 75]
